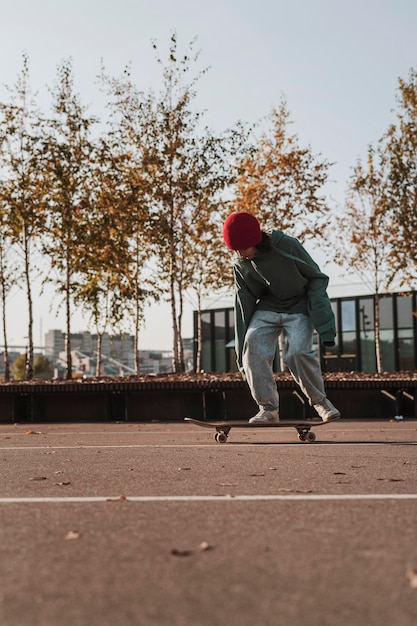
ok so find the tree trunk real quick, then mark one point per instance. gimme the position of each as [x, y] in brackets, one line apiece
[379, 367]
[199, 355]
[174, 327]
[4, 324]
[137, 314]
[99, 353]
[68, 325]
[29, 352]
[179, 333]
[136, 343]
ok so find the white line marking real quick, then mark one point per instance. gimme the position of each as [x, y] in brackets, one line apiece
[226, 498]
[231, 446]
[104, 446]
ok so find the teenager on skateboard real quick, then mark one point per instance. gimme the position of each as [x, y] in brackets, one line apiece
[278, 289]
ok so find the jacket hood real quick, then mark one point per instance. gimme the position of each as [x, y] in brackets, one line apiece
[276, 237]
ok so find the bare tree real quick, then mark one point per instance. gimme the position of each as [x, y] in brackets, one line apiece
[372, 234]
[7, 278]
[365, 233]
[68, 156]
[21, 183]
[399, 147]
[126, 193]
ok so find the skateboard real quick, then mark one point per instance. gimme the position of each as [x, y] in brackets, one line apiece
[223, 428]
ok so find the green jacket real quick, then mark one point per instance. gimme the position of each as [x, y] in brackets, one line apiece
[284, 279]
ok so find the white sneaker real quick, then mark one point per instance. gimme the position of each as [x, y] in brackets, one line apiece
[327, 411]
[265, 416]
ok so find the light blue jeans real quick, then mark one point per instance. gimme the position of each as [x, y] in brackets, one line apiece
[259, 351]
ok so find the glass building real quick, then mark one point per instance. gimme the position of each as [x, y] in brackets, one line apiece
[355, 341]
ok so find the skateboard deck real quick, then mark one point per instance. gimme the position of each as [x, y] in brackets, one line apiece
[223, 428]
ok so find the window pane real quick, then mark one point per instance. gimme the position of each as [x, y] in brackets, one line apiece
[366, 315]
[219, 324]
[348, 315]
[367, 334]
[349, 343]
[220, 340]
[206, 342]
[406, 349]
[385, 312]
[404, 312]
[387, 350]
[368, 354]
[205, 326]
[334, 309]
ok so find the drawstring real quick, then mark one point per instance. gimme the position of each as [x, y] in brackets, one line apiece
[260, 274]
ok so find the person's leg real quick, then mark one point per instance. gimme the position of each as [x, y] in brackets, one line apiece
[259, 351]
[300, 357]
[304, 365]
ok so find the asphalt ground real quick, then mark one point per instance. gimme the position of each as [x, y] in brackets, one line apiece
[157, 524]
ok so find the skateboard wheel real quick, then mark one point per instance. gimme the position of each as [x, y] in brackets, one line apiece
[220, 437]
[310, 437]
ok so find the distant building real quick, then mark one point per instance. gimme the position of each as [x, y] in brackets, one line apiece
[155, 361]
[54, 344]
[117, 355]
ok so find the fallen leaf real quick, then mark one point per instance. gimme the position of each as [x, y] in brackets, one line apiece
[204, 546]
[72, 535]
[339, 473]
[391, 480]
[256, 474]
[411, 574]
[63, 484]
[184, 469]
[176, 552]
[38, 478]
[32, 432]
[116, 499]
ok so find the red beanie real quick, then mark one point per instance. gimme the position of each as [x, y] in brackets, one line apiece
[241, 230]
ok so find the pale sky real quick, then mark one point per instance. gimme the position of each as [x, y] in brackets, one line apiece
[336, 62]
